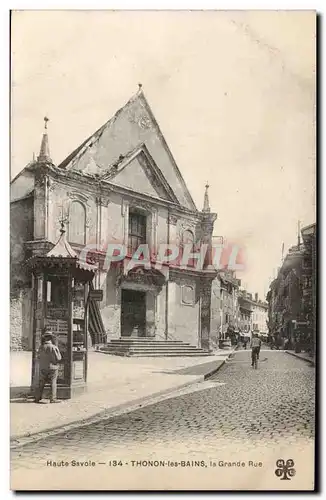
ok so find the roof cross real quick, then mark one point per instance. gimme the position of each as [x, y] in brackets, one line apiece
[63, 221]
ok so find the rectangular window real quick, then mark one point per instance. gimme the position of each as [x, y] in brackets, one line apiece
[136, 232]
[48, 291]
[39, 290]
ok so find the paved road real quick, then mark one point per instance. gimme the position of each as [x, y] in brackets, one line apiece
[238, 410]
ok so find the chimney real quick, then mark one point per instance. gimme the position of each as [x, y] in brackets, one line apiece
[256, 297]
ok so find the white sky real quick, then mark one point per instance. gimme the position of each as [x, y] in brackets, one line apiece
[233, 93]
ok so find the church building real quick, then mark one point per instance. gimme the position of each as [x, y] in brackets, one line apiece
[119, 191]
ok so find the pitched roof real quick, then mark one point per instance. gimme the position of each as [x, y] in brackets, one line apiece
[62, 248]
[132, 125]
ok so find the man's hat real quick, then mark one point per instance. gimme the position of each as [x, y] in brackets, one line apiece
[47, 334]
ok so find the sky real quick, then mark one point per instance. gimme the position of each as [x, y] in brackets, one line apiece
[232, 91]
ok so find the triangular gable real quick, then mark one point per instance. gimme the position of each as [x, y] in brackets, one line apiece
[132, 126]
[135, 178]
[139, 172]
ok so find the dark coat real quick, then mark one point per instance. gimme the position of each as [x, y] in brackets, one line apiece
[49, 356]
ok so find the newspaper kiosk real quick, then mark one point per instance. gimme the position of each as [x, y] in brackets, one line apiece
[61, 284]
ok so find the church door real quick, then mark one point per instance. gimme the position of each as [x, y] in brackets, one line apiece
[133, 313]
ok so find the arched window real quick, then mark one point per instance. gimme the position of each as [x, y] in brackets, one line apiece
[77, 223]
[188, 238]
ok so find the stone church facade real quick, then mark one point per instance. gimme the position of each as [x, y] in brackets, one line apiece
[120, 189]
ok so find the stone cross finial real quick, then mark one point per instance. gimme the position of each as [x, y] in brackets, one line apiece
[44, 155]
[62, 226]
[63, 221]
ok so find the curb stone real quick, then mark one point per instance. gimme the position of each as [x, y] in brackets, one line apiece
[17, 441]
[296, 355]
[212, 372]
[22, 439]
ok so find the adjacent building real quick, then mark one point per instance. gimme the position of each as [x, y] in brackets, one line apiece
[253, 314]
[285, 297]
[292, 295]
[259, 316]
[245, 312]
[309, 285]
[229, 305]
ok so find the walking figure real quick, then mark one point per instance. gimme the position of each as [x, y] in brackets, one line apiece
[255, 349]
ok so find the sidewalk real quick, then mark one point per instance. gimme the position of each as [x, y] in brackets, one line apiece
[303, 355]
[115, 384]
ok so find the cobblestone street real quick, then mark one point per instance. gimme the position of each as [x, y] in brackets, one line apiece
[236, 411]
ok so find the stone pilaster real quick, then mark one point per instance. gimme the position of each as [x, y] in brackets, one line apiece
[205, 313]
[207, 227]
[40, 206]
[150, 315]
[153, 233]
[125, 221]
[172, 297]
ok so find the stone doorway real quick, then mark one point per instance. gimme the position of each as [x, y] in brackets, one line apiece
[133, 313]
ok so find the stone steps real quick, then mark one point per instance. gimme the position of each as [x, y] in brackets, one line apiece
[146, 341]
[151, 348]
[154, 353]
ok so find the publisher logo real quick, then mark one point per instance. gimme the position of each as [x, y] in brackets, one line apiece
[285, 470]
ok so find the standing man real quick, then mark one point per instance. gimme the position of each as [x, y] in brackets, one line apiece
[49, 357]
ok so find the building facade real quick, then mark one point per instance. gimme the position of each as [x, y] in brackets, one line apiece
[309, 285]
[253, 313]
[118, 192]
[285, 297]
[292, 295]
[224, 306]
[259, 317]
[245, 313]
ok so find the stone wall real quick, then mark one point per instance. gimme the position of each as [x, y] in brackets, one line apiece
[110, 305]
[215, 312]
[21, 321]
[21, 230]
[160, 314]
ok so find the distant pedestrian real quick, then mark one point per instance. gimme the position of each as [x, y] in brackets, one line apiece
[49, 357]
[255, 348]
